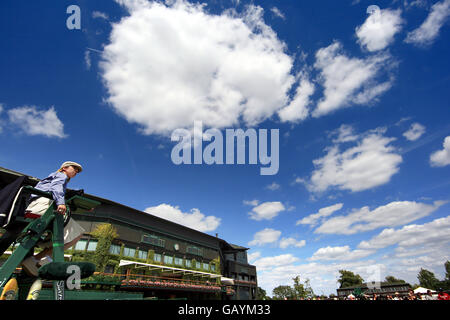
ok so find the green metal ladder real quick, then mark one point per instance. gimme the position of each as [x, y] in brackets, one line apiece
[51, 221]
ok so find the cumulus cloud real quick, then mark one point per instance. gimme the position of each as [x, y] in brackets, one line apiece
[314, 218]
[415, 132]
[390, 215]
[441, 158]
[37, 122]
[372, 162]
[379, 29]
[265, 236]
[345, 133]
[193, 219]
[276, 261]
[349, 81]
[340, 253]
[429, 29]
[297, 110]
[434, 232]
[168, 65]
[288, 242]
[266, 210]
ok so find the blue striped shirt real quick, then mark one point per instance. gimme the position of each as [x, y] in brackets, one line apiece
[55, 183]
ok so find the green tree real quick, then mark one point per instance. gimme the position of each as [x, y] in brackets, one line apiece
[282, 292]
[427, 279]
[349, 279]
[261, 294]
[302, 290]
[392, 279]
[105, 233]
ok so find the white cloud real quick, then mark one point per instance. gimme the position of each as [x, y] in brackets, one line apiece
[429, 30]
[265, 236]
[297, 110]
[340, 253]
[277, 13]
[345, 133]
[251, 202]
[441, 158]
[415, 132]
[194, 220]
[37, 122]
[372, 162]
[435, 232]
[313, 219]
[274, 186]
[390, 215]
[87, 59]
[169, 65]
[266, 210]
[99, 14]
[349, 81]
[251, 257]
[276, 261]
[287, 242]
[379, 29]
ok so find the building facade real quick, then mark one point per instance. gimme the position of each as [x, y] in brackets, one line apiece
[156, 257]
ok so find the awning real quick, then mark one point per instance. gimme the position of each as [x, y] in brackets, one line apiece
[165, 268]
[227, 280]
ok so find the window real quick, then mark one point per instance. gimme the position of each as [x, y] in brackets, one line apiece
[81, 245]
[129, 252]
[198, 265]
[188, 263]
[114, 249]
[205, 266]
[154, 240]
[168, 259]
[178, 261]
[92, 245]
[213, 267]
[194, 250]
[142, 254]
[157, 257]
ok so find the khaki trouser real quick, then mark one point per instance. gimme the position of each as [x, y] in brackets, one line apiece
[71, 231]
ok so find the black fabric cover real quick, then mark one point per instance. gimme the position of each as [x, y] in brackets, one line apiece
[7, 195]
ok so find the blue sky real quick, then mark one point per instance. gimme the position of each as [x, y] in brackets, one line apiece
[359, 95]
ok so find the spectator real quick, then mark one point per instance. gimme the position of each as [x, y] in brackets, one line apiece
[429, 296]
[419, 296]
[411, 295]
[397, 296]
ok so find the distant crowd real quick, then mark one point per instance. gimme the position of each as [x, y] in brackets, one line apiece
[429, 295]
[441, 295]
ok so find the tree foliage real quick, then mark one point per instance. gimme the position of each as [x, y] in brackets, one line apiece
[105, 233]
[349, 279]
[302, 290]
[427, 279]
[283, 292]
[392, 279]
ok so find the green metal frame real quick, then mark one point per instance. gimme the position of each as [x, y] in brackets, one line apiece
[52, 221]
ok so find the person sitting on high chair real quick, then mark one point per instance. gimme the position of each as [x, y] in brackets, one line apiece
[56, 184]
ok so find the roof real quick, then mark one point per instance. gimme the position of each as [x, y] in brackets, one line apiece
[381, 284]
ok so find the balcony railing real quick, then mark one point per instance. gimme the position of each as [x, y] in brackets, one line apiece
[155, 282]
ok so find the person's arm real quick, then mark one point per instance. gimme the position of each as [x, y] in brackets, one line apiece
[57, 190]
